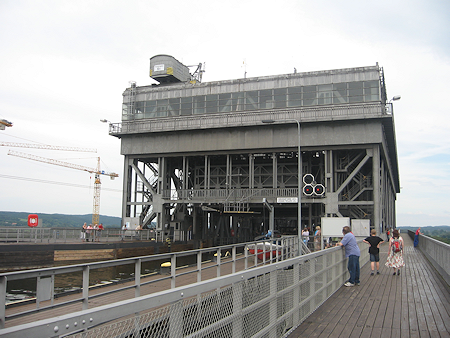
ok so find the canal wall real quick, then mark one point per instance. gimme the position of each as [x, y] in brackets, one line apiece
[15, 257]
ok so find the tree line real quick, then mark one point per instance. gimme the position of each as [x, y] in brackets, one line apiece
[20, 219]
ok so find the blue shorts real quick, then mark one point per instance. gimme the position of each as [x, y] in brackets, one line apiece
[374, 258]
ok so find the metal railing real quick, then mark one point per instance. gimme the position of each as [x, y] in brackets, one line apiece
[221, 120]
[65, 235]
[437, 253]
[270, 300]
[181, 264]
[228, 194]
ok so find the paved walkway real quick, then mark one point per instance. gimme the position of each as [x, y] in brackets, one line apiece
[414, 304]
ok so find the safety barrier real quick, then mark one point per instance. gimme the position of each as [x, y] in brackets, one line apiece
[437, 252]
[179, 267]
[65, 235]
[270, 300]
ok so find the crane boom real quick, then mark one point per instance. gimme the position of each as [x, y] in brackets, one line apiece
[46, 146]
[62, 163]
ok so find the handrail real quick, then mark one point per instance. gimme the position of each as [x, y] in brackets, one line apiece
[437, 252]
[268, 300]
[288, 248]
[222, 120]
[65, 235]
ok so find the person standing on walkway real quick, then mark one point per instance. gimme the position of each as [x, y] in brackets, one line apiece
[374, 250]
[99, 232]
[395, 253]
[305, 235]
[89, 230]
[416, 237]
[317, 239]
[83, 232]
[353, 253]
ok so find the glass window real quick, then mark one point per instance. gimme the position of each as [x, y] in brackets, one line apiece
[251, 100]
[340, 93]
[294, 97]
[294, 90]
[371, 84]
[325, 94]
[309, 98]
[371, 94]
[324, 98]
[150, 109]
[307, 89]
[211, 103]
[355, 85]
[225, 102]
[174, 107]
[199, 104]
[161, 111]
[279, 96]
[265, 99]
[325, 88]
[237, 101]
[161, 107]
[186, 106]
[355, 91]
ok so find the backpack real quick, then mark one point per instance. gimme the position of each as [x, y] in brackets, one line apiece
[396, 245]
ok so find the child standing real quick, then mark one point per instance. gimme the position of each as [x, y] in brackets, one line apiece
[374, 250]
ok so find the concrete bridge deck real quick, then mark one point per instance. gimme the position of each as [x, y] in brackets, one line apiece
[414, 304]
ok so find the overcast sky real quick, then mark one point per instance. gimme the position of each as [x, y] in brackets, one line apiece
[65, 64]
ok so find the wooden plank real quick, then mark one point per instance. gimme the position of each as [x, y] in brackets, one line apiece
[414, 304]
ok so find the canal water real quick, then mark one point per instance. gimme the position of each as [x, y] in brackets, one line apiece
[26, 288]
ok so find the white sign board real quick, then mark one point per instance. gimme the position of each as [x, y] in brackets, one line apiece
[287, 199]
[361, 227]
[332, 226]
[131, 222]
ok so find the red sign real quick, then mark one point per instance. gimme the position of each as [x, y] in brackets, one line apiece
[33, 220]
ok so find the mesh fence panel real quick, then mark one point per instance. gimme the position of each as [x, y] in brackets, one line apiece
[269, 304]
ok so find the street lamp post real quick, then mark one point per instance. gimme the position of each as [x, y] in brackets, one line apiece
[389, 108]
[299, 199]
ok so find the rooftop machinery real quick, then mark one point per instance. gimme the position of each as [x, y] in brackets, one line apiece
[5, 123]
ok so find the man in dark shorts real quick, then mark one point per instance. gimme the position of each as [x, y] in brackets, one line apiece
[374, 241]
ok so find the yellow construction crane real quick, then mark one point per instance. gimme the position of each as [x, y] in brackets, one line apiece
[46, 146]
[97, 172]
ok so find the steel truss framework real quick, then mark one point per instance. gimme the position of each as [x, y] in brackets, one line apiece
[201, 192]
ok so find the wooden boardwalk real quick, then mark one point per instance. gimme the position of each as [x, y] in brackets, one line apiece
[414, 304]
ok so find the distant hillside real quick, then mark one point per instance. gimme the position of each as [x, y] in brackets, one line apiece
[440, 232]
[9, 218]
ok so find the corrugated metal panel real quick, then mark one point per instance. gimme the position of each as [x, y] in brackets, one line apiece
[257, 83]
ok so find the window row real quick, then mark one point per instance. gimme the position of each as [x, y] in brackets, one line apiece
[338, 93]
